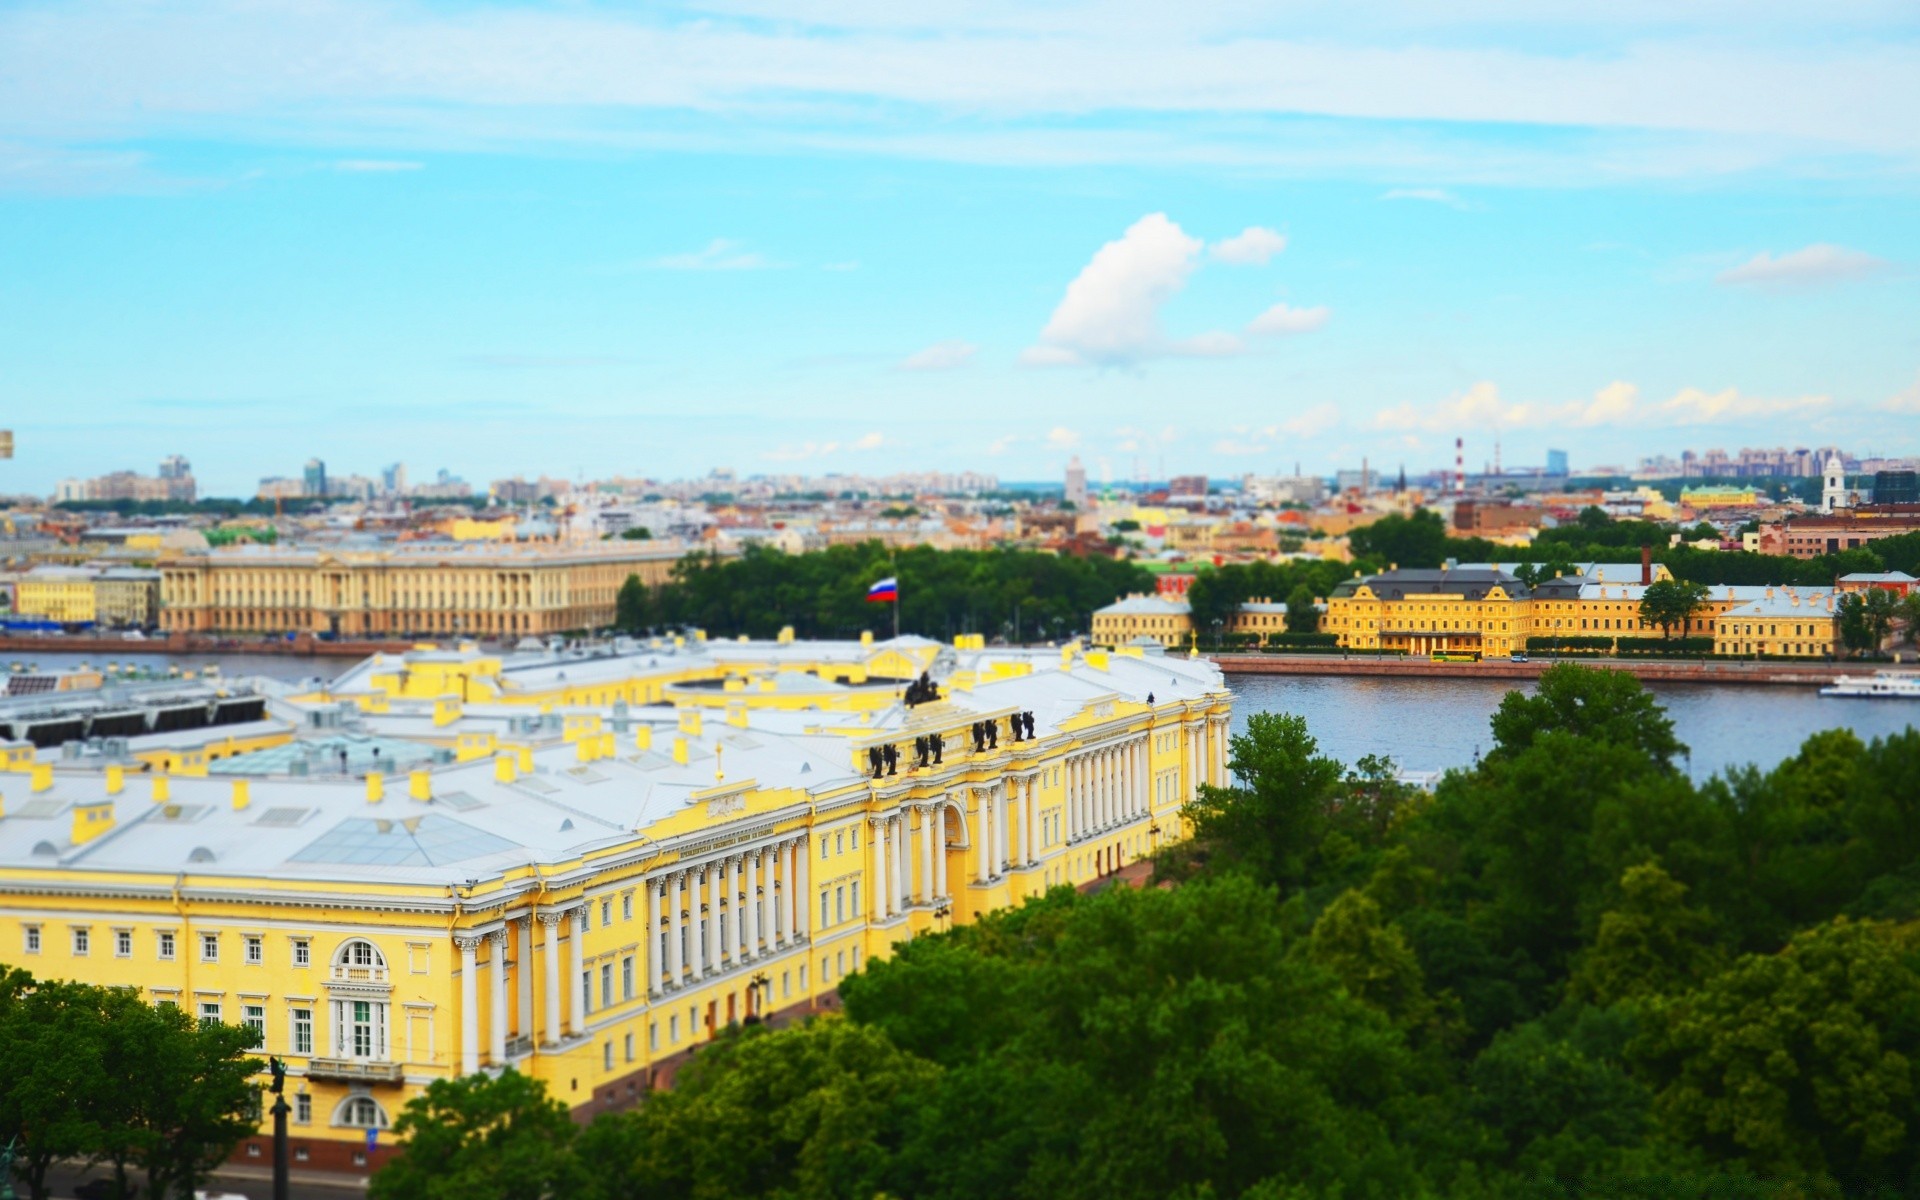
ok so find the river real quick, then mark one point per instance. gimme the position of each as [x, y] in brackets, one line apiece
[1433, 724]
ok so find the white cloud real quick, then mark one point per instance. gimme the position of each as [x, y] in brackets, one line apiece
[941, 356]
[1062, 438]
[376, 164]
[1282, 320]
[1004, 443]
[1618, 404]
[721, 254]
[1313, 422]
[1810, 266]
[1134, 440]
[869, 441]
[1906, 400]
[801, 452]
[1110, 315]
[1252, 246]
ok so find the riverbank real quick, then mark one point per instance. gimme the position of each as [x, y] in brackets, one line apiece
[192, 644]
[1654, 671]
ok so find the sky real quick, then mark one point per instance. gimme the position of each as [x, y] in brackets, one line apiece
[587, 239]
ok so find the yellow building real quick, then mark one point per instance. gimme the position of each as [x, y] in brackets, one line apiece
[63, 594]
[1169, 621]
[587, 891]
[1719, 496]
[127, 597]
[1786, 622]
[473, 589]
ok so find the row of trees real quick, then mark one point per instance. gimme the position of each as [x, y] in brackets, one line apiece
[98, 1075]
[1018, 594]
[1568, 971]
[1422, 540]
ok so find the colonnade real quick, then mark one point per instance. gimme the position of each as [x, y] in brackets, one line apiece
[917, 830]
[725, 913]
[1107, 786]
[469, 946]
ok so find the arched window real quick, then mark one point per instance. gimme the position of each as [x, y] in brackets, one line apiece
[359, 1002]
[358, 953]
[360, 1112]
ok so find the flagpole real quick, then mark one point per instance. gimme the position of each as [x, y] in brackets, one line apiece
[896, 612]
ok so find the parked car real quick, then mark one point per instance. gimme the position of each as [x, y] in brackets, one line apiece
[1518, 658]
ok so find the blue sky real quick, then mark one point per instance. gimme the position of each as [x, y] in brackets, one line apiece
[849, 235]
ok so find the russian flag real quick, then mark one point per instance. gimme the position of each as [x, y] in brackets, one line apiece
[887, 591]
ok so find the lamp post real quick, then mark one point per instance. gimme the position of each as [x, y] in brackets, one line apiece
[278, 1087]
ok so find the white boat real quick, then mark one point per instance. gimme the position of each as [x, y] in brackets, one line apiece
[1881, 685]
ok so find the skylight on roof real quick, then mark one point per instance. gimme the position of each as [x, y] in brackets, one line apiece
[283, 818]
[39, 810]
[458, 801]
[425, 841]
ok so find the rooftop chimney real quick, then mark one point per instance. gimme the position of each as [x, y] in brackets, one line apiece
[376, 787]
[1646, 565]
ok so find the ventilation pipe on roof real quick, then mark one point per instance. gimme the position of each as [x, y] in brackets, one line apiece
[643, 737]
[525, 755]
[1646, 565]
[503, 768]
[376, 787]
[42, 777]
[162, 788]
[116, 779]
[242, 794]
[420, 785]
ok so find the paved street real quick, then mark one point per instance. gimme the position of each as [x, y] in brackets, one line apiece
[255, 1183]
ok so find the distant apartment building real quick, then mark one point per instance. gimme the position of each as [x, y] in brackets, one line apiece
[1187, 487]
[1751, 464]
[314, 477]
[480, 589]
[1494, 518]
[279, 487]
[1557, 462]
[1843, 529]
[1284, 489]
[174, 482]
[1076, 493]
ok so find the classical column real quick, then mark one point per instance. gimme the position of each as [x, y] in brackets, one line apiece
[750, 865]
[696, 932]
[714, 873]
[788, 874]
[656, 968]
[803, 911]
[497, 982]
[903, 859]
[524, 1026]
[578, 919]
[926, 892]
[469, 1005]
[988, 847]
[676, 947]
[738, 950]
[767, 932]
[939, 814]
[551, 920]
[878, 844]
[1003, 814]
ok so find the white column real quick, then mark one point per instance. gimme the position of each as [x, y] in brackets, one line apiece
[766, 901]
[551, 920]
[789, 872]
[989, 849]
[497, 997]
[1002, 811]
[1074, 776]
[524, 1026]
[750, 865]
[878, 844]
[926, 892]
[939, 813]
[1111, 792]
[578, 919]
[903, 859]
[656, 964]
[675, 950]
[738, 950]
[804, 910]
[978, 835]
[469, 1005]
[715, 872]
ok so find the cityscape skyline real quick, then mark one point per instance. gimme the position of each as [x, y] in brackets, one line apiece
[1303, 239]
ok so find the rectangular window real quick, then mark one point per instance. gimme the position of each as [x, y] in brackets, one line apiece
[256, 950]
[81, 938]
[210, 1010]
[853, 838]
[360, 1029]
[606, 913]
[629, 1047]
[839, 905]
[606, 985]
[256, 1019]
[123, 943]
[626, 907]
[673, 1029]
[823, 911]
[209, 947]
[33, 938]
[823, 848]
[165, 940]
[626, 978]
[803, 977]
[786, 984]
[606, 1056]
[853, 901]
[302, 1109]
[856, 958]
[839, 963]
[302, 952]
[653, 1035]
[839, 843]
[586, 991]
[303, 1031]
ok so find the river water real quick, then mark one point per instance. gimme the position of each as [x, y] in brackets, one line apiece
[1433, 724]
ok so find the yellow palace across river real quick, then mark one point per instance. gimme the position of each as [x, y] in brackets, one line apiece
[580, 864]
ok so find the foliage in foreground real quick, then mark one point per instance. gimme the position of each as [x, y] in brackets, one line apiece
[1568, 972]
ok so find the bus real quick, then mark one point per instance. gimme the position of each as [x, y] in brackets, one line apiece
[1456, 656]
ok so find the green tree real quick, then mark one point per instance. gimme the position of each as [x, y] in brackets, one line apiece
[192, 1098]
[1419, 540]
[1650, 944]
[1274, 821]
[1370, 958]
[1587, 702]
[637, 533]
[1670, 602]
[51, 1061]
[1801, 1063]
[1303, 615]
[499, 1136]
[631, 606]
